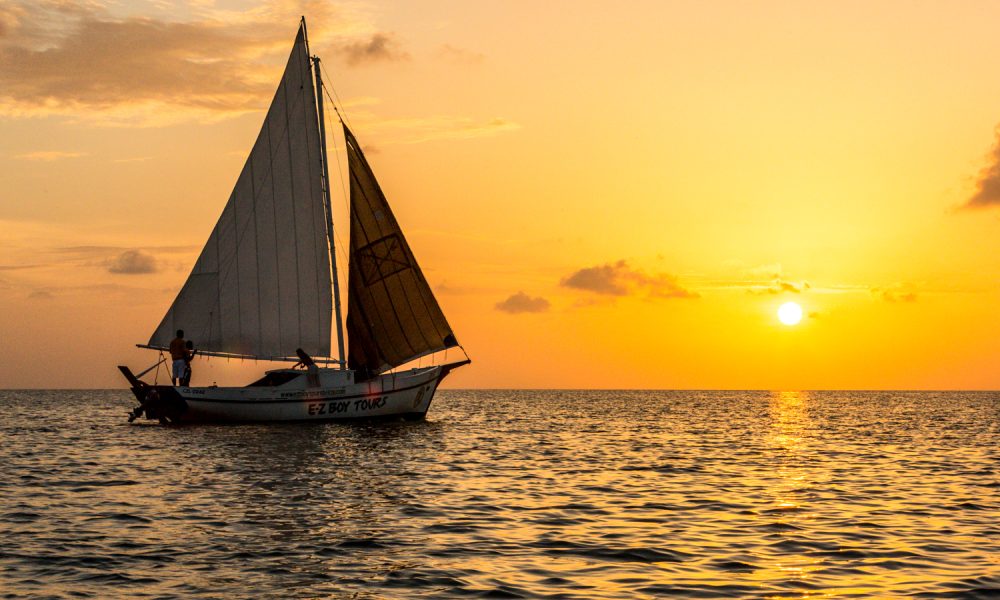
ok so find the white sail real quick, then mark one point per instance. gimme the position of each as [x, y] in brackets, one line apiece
[261, 286]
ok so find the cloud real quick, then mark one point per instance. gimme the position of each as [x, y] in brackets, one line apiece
[48, 155]
[380, 47]
[779, 287]
[447, 288]
[460, 56]
[105, 251]
[618, 279]
[523, 303]
[605, 279]
[988, 183]
[769, 271]
[80, 61]
[895, 293]
[438, 127]
[132, 262]
[41, 295]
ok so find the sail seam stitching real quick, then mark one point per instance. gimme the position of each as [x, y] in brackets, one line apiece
[295, 231]
[274, 223]
[256, 252]
[307, 79]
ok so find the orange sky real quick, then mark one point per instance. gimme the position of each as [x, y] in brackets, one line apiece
[603, 194]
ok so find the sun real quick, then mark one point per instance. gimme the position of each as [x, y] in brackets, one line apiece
[790, 313]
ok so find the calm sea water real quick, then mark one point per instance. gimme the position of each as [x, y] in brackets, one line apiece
[509, 494]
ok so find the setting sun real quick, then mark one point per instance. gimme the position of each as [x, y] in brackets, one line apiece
[790, 313]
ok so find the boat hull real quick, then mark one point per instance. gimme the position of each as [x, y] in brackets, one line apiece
[405, 395]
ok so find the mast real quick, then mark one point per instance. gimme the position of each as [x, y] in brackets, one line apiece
[329, 215]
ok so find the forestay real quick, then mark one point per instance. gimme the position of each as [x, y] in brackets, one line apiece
[261, 286]
[392, 315]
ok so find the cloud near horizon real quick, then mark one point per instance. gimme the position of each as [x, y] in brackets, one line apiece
[48, 155]
[897, 293]
[988, 183]
[779, 286]
[523, 303]
[618, 279]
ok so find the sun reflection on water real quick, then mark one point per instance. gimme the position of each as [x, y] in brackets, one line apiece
[791, 487]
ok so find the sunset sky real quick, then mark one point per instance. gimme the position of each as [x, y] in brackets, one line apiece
[602, 194]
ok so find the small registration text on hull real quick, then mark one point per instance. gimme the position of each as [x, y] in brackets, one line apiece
[266, 287]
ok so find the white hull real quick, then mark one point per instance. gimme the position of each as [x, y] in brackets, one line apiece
[407, 395]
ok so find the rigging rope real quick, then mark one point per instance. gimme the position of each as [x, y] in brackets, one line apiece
[337, 239]
[338, 243]
[330, 79]
[156, 375]
[342, 116]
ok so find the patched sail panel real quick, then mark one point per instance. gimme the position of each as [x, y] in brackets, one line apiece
[392, 315]
[261, 286]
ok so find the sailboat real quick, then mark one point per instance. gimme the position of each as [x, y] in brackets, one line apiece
[265, 287]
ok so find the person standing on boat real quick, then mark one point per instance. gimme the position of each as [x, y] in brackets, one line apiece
[178, 352]
[189, 353]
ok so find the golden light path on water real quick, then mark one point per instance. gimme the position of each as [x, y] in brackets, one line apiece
[600, 494]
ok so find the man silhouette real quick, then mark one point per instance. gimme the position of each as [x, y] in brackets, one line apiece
[179, 353]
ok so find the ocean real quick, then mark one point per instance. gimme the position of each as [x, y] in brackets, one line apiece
[510, 494]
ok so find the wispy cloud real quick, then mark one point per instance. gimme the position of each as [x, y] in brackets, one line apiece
[523, 303]
[80, 61]
[438, 127]
[764, 279]
[132, 262]
[459, 56]
[118, 260]
[988, 182]
[895, 293]
[48, 155]
[768, 271]
[105, 251]
[618, 279]
[779, 286]
[448, 288]
[380, 47]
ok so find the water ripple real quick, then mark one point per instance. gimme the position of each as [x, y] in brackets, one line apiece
[511, 494]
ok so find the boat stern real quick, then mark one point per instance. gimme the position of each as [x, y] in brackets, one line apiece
[156, 402]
